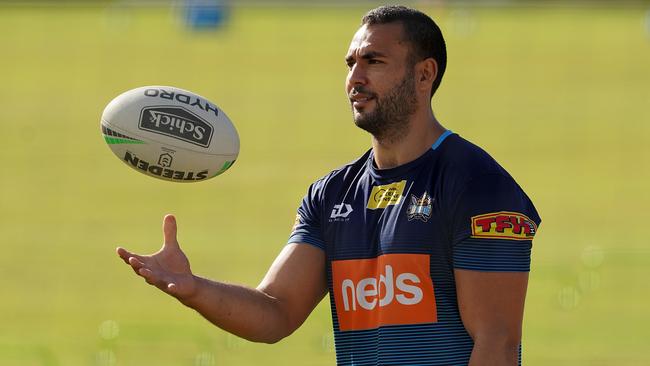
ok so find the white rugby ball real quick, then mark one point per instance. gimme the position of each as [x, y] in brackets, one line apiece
[170, 134]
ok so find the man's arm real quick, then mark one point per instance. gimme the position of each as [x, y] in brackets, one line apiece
[492, 306]
[291, 289]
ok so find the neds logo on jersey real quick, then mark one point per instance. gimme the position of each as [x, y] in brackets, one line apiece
[176, 122]
[391, 289]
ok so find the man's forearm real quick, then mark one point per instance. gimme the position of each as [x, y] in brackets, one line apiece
[494, 352]
[246, 312]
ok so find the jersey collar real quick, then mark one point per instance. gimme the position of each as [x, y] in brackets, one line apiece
[400, 171]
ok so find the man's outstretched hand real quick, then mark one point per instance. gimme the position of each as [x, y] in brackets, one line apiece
[168, 269]
[293, 286]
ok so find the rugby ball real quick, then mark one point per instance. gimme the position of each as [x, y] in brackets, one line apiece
[170, 134]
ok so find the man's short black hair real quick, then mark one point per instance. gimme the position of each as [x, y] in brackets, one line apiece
[420, 31]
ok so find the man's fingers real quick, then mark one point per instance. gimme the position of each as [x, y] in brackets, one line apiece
[147, 274]
[155, 279]
[169, 231]
[150, 277]
[125, 255]
[172, 289]
[136, 263]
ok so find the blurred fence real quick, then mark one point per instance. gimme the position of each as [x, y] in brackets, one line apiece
[341, 3]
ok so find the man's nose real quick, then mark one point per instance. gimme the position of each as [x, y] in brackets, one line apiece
[357, 75]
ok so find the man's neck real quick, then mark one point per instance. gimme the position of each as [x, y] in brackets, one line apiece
[422, 133]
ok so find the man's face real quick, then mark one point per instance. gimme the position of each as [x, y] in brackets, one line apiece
[380, 81]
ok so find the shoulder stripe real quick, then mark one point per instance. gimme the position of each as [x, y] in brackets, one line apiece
[441, 139]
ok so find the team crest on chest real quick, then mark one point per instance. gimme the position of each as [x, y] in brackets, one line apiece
[420, 207]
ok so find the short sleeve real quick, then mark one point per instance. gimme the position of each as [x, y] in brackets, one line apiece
[493, 225]
[307, 227]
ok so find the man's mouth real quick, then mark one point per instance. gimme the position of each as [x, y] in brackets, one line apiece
[361, 100]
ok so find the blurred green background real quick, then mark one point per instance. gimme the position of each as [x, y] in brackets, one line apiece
[559, 94]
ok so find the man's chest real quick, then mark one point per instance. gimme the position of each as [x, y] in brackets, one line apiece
[367, 219]
[386, 244]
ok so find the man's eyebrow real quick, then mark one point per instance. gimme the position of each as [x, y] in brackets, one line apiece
[372, 54]
[366, 56]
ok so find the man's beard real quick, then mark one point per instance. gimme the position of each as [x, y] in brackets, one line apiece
[389, 121]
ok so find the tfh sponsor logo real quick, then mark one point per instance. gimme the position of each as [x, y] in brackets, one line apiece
[503, 225]
[176, 122]
[391, 289]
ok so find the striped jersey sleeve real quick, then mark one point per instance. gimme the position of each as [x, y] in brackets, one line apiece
[494, 223]
[307, 227]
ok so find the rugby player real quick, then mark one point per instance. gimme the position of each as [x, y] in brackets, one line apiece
[423, 243]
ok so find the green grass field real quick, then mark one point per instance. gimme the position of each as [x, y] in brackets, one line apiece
[561, 97]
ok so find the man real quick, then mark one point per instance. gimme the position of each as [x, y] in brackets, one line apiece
[423, 243]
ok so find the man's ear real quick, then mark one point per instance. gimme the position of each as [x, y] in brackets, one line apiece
[426, 71]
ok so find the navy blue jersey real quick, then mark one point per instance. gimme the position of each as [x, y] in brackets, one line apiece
[392, 239]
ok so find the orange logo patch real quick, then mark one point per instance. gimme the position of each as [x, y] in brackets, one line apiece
[391, 289]
[503, 225]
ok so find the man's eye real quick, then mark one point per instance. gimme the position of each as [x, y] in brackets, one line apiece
[373, 61]
[350, 64]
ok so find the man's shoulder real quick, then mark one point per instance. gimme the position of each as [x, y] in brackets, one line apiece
[467, 161]
[343, 173]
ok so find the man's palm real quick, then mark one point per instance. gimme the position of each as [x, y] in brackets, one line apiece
[168, 269]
